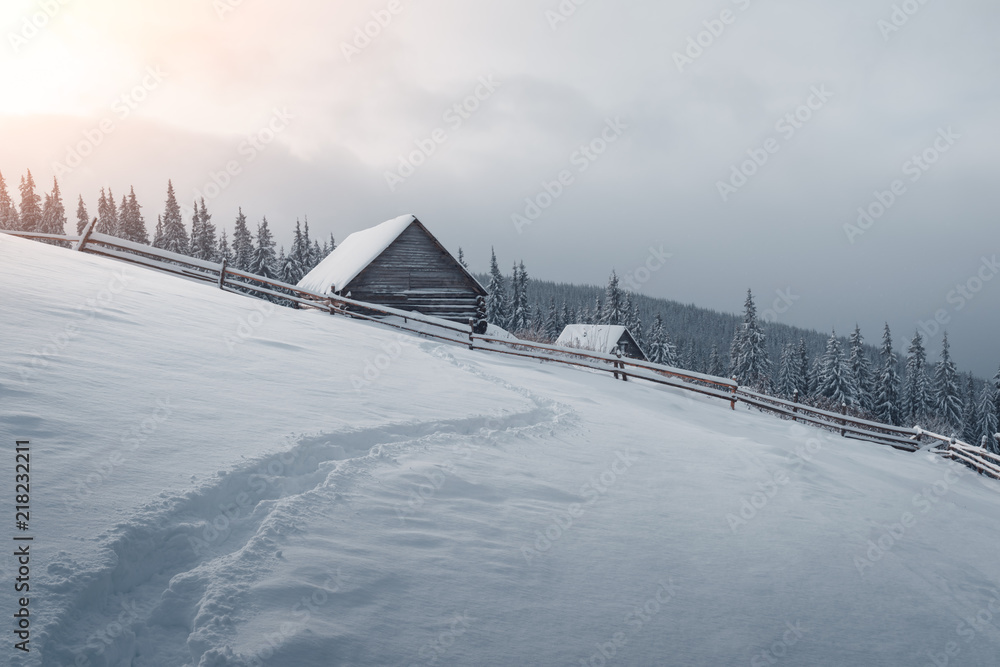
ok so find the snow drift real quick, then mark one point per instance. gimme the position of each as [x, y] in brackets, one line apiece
[219, 482]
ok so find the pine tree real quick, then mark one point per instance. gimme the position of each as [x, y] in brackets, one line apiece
[54, 214]
[31, 205]
[749, 361]
[988, 416]
[715, 365]
[654, 340]
[916, 398]
[635, 322]
[82, 219]
[552, 326]
[496, 300]
[614, 305]
[243, 249]
[888, 407]
[132, 224]
[158, 233]
[970, 413]
[947, 395]
[520, 313]
[264, 260]
[9, 217]
[835, 380]
[203, 242]
[801, 367]
[461, 259]
[861, 373]
[225, 254]
[786, 383]
[174, 237]
[195, 248]
[107, 214]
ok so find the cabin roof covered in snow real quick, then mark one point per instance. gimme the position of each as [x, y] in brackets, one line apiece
[358, 251]
[353, 254]
[597, 337]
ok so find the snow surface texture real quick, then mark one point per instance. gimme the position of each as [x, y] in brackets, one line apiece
[596, 337]
[352, 256]
[220, 483]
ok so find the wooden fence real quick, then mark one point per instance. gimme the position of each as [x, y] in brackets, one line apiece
[241, 282]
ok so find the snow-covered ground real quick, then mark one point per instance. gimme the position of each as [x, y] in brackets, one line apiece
[216, 482]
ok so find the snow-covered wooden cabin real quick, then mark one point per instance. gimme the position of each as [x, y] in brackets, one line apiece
[601, 338]
[401, 265]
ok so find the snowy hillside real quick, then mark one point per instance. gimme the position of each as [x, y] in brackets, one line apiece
[218, 482]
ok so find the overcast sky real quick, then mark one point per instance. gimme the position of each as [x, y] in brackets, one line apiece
[309, 114]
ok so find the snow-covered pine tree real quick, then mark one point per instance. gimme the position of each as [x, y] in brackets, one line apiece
[174, 236]
[654, 340]
[947, 393]
[801, 367]
[264, 262]
[461, 258]
[916, 395]
[132, 224]
[565, 317]
[750, 363]
[107, 214]
[9, 217]
[496, 300]
[996, 386]
[888, 407]
[243, 250]
[54, 215]
[835, 379]
[988, 416]
[82, 219]
[715, 365]
[315, 255]
[635, 323]
[614, 303]
[197, 248]
[860, 372]
[291, 270]
[597, 313]
[31, 205]
[785, 384]
[206, 244]
[520, 313]
[225, 253]
[970, 412]
[552, 325]
[815, 375]
[158, 232]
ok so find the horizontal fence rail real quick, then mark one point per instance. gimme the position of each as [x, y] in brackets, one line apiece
[242, 282]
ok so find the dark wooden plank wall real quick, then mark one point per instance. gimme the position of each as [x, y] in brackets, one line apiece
[414, 273]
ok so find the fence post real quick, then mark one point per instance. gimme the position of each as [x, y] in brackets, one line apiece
[472, 330]
[86, 235]
[795, 408]
[843, 422]
[222, 273]
[732, 399]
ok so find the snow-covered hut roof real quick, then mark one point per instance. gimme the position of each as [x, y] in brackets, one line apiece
[353, 254]
[596, 337]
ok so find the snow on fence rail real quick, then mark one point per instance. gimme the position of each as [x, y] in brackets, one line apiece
[241, 282]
